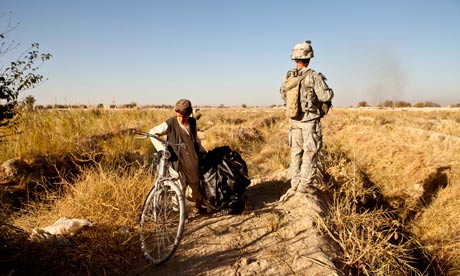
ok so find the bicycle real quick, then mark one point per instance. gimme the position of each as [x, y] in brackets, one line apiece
[163, 213]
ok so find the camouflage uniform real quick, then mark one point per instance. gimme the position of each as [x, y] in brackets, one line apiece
[305, 137]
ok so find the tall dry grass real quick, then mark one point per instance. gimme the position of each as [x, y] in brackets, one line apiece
[107, 184]
[372, 239]
[111, 197]
[110, 186]
[53, 132]
[438, 226]
[404, 161]
[411, 158]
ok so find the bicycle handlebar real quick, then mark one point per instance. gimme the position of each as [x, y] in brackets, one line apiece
[164, 142]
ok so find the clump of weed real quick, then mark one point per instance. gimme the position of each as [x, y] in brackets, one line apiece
[273, 221]
[112, 197]
[372, 239]
[383, 120]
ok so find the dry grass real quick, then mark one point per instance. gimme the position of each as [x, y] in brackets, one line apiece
[438, 226]
[260, 135]
[273, 221]
[371, 238]
[411, 160]
[64, 131]
[111, 197]
[395, 175]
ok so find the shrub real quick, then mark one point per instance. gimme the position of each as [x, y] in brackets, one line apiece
[386, 103]
[400, 104]
[427, 104]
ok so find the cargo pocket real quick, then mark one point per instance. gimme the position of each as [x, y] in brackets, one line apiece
[317, 135]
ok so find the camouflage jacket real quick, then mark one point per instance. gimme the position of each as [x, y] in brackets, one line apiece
[313, 91]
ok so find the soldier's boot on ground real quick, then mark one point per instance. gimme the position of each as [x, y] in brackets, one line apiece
[294, 184]
[291, 191]
[307, 189]
[302, 189]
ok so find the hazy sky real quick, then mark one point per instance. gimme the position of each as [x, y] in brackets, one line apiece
[237, 52]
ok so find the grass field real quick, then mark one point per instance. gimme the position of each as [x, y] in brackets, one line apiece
[410, 160]
[393, 177]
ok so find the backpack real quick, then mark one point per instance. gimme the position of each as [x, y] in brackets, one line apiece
[324, 107]
[292, 88]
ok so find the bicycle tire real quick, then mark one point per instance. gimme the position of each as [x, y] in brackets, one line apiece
[162, 222]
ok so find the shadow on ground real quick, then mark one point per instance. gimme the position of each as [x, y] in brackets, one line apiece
[258, 196]
[214, 242]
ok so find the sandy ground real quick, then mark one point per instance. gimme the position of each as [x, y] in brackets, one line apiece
[272, 236]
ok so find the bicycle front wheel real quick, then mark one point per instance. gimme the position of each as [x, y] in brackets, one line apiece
[162, 222]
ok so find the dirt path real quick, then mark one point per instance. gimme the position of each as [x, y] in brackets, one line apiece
[271, 237]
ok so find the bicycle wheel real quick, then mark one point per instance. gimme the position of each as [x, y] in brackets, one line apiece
[162, 222]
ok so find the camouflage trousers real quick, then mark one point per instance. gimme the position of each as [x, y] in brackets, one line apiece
[305, 140]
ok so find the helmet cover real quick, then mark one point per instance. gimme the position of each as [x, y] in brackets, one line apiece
[302, 51]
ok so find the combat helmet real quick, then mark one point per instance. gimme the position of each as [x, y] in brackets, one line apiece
[302, 51]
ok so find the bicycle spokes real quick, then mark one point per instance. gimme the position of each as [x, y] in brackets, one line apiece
[162, 223]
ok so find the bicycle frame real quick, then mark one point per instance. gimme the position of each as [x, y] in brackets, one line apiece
[163, 211]
[161, 166]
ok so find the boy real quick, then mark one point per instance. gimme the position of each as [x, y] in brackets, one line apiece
[186, 161]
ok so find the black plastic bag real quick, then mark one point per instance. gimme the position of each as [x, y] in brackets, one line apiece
[225, 178]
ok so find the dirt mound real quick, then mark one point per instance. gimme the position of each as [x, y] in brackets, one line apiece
[271, 237]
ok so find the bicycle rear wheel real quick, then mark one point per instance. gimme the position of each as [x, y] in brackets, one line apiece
[162, 222]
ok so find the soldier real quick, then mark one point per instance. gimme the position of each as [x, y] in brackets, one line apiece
[305, 137]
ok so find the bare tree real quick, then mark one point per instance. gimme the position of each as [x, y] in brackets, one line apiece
[19, 75]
